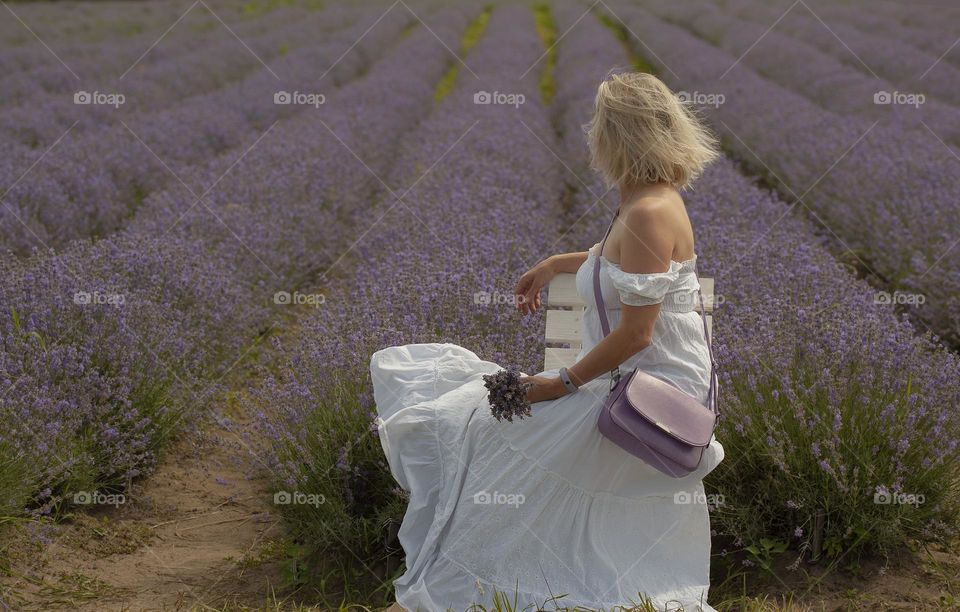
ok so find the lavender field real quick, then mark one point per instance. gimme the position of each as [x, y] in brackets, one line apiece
[213, 213]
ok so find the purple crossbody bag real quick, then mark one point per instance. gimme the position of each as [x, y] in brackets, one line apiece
[650, 418]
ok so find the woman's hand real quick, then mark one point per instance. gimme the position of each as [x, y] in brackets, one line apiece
[528, 287]
[543, 388]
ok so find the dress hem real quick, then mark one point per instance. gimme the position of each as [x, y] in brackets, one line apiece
[672, 601]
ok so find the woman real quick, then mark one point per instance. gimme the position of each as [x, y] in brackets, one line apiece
[547, 506]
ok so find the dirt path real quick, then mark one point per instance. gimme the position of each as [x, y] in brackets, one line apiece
[200, 532]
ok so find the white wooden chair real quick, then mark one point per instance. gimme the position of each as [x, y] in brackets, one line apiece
[565, 311]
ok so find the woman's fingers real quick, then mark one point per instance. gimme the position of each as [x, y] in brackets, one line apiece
[520, 291]
[527, 293]
[523, 283]
[532, 299]
[523, 300]
[530, 381]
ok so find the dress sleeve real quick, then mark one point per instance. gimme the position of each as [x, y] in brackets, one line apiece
[642, 289]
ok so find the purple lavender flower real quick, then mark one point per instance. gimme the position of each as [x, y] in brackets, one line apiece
[507, 395]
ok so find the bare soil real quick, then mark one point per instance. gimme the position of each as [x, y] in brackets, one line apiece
[201, 532]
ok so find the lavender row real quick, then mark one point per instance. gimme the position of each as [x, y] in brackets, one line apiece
[808, 71]
[281, 212]
[31, 70]
[824, 385]
[908, 69]
[160, 79]
[88, 22]
[894, 211]
[431, 268]
[799, 340]
[872, 18]
[92, 182]
[111, 346]
[933, 25]
[581, 66]
[82, 25]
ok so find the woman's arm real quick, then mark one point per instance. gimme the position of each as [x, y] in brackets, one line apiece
[645, 248]
[632, 335]
[567, 262]
[539, 276]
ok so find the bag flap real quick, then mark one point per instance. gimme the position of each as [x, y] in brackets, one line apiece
[668, 408]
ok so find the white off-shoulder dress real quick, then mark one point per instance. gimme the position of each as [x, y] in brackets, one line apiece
[546, 506]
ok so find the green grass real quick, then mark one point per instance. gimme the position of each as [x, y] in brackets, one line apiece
[409, 28]
[255, 8]
[470, 39]
[337, 549]
[16, 483]
[623, 35]
[547, 29]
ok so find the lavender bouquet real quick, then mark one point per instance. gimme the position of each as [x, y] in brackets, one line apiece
[507, 395]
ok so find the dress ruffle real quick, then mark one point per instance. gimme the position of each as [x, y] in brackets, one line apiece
[678, 350]
[642, 289]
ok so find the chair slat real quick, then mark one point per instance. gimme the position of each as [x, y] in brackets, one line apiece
[556, 358]
[564, 326]
[562, 291]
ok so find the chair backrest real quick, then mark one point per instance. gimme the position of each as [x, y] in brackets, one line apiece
[565, 311]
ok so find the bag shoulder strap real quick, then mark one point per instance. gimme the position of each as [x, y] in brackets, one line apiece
[605, 323]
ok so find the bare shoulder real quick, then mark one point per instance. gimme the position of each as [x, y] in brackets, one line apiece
[653, 210]
[657, 231]
[647, 243]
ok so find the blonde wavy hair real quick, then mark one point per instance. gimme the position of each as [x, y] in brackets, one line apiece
[642, 133]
